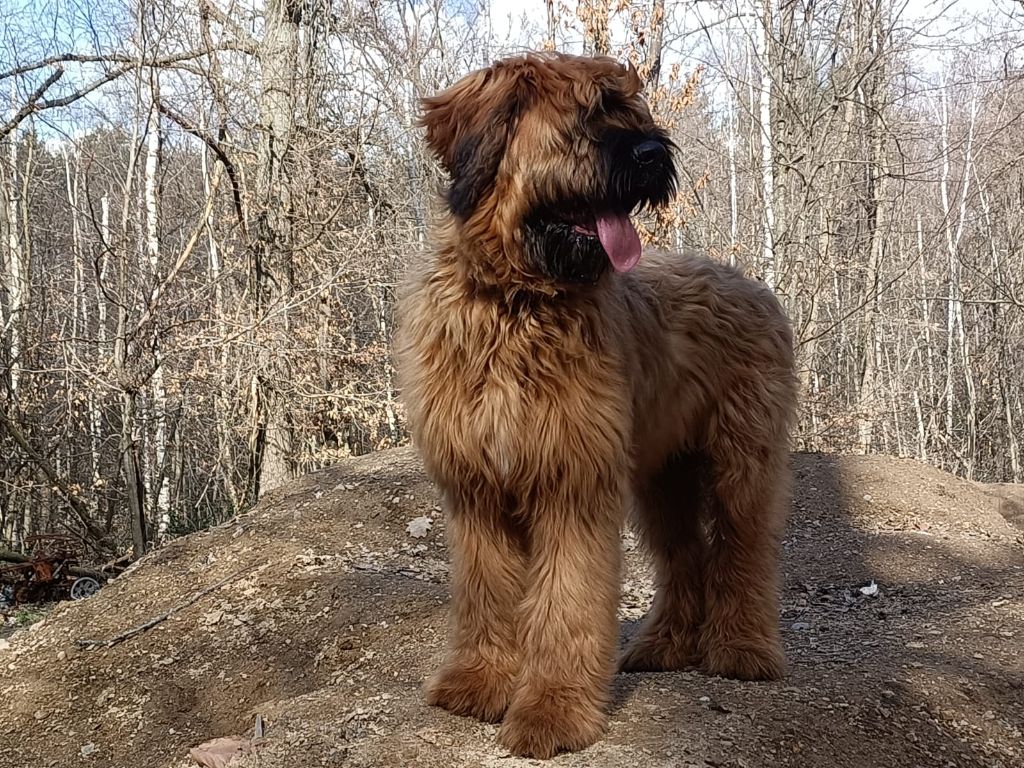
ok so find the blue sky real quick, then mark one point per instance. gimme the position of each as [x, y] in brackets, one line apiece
[33, 29]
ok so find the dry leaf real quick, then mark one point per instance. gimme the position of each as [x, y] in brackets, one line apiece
[871, 590]
[220, 753]
[419, 526]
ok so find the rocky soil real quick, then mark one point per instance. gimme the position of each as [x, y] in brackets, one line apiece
[321, 613]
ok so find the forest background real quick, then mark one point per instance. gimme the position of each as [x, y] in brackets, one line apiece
[205, 207]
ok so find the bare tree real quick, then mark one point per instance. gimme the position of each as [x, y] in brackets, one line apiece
[203, 211]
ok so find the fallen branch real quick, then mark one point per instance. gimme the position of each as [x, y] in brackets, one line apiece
[148, 625]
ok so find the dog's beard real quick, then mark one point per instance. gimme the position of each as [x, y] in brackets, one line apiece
[560, 250]
[576, 238]
[579, 249]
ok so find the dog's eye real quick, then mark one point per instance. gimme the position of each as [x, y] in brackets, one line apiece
[608, 109]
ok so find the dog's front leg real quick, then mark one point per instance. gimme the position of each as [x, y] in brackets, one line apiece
[488, 567]
[568, 628]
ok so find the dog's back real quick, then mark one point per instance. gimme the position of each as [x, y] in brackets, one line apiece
[702, 336]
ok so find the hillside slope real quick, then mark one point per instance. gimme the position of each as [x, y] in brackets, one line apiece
[333, 613]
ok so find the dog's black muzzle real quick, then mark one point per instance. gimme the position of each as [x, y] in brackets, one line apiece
[639, 172]
[640, 169]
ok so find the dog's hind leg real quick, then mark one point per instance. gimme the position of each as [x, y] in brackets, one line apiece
[668, 512]
[488, 566]
[740, 634]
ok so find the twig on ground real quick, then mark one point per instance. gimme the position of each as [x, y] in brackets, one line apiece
[147, 625]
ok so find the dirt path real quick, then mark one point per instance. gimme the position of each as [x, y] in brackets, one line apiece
[343, 614]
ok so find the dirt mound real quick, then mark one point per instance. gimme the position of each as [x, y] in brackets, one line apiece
[1010, 498]
[332, 613]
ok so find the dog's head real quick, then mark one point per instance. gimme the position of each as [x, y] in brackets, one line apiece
[549, 154]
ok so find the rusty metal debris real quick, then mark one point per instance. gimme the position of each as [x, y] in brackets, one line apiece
[51, 572]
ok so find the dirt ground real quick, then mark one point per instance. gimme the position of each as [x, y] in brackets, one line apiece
[333, 613]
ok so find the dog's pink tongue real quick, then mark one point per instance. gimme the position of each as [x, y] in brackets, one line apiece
[620, 240]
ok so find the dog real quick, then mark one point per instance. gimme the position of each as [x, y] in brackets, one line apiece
[553, 379]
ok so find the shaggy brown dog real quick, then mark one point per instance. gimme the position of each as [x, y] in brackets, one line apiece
[550, 384]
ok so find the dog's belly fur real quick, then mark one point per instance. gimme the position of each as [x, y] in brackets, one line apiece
[507, 414]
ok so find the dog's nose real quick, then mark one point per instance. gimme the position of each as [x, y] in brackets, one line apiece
[650, 151]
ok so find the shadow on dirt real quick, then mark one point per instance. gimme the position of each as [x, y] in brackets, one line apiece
[890, 630]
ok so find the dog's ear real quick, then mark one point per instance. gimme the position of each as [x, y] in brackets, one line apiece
[634, 83]
[468, 127]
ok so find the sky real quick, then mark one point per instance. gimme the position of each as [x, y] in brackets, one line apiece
[31, 29]
[85, 23]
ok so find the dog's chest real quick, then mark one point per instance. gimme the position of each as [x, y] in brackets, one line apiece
[491, 420]
[505, 400]
[497, 421]
[490, 403]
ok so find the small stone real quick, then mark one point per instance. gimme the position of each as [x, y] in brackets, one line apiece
[87, 749]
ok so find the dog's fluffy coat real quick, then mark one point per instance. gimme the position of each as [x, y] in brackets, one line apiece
[547, 398]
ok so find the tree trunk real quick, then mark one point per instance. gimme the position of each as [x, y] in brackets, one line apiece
[872, 42]
[273, 268]
[134, 488]
[17, 267]
[956, 339]
[552, 25]
[595, 15]
[161, 491]
[655, 45]
[128, 376]
[768, 266]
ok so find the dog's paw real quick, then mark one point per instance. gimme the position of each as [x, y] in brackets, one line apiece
[654, 651]
[541, 726]
[757, 661]
[471, 690]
